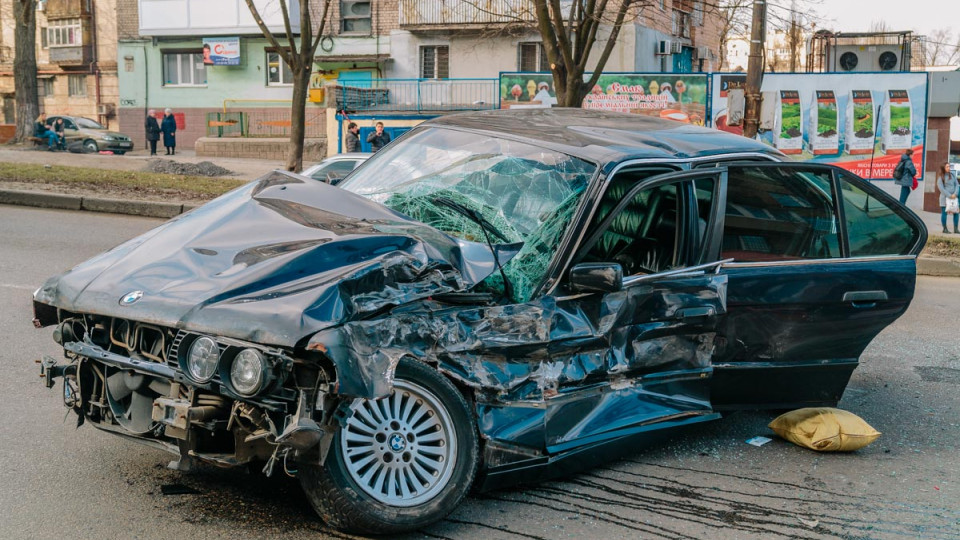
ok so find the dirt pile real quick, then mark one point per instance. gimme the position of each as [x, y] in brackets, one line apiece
[204, 168]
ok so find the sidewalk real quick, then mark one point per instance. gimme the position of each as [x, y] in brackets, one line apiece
[915, 203]
[246, 169]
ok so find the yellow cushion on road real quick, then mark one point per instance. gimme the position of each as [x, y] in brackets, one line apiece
[824, 429]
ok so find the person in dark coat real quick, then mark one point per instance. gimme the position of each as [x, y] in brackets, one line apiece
[379, 138]
[169, 129]
[152, 129]
[58, 127]
[905, 180]
[353, 137]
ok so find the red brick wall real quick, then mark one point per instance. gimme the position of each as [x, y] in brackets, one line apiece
[935, 158]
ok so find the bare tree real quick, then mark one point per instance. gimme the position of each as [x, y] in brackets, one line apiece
[569, 42]
[940, 49]
[734, 18]
[299, 58]
[25, 67]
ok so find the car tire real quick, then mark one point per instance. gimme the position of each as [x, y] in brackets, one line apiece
[120, 152]
[90, 146]
[415, 447]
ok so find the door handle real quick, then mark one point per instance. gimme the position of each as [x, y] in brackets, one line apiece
[696, 312]
[864, 296]
[864, 299]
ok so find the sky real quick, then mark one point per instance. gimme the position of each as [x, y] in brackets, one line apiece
[921, 16]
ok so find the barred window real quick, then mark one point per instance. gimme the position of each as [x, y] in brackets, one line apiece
[435, 62]
[532, 56]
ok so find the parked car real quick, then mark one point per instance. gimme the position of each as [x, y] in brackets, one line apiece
[92, 135]
[498, 298]
[335, 168]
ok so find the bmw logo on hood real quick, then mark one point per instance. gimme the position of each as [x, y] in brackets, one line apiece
[131, 298]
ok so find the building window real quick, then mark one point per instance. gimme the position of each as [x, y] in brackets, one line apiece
[435, 62]
[278, 72]
[64, 33]
[43, 37]
[355, 17]
[45, 88]
[698, 13]
[77, 85]
[532, 56]
[184, 69]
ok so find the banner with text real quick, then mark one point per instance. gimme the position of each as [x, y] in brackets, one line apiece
[221, 51]
[861, 122]
[675, 96]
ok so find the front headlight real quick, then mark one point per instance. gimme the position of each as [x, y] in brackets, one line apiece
[249, 372]
[108, 138]
[203, 358]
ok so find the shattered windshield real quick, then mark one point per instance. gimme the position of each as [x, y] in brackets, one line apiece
[523, 193]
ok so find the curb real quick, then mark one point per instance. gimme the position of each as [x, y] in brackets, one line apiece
[935, 266]
[59, 201]
[926, 266]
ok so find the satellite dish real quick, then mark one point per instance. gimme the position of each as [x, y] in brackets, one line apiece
[848, 61]
[888, 61]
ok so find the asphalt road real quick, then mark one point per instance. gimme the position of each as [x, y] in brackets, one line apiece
[60, 482]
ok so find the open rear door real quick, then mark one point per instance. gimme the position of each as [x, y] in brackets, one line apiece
[822, 262]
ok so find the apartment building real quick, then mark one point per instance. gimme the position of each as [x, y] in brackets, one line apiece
[76, 59]
[161, 42]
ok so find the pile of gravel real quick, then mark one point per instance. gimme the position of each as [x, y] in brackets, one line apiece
[204, 168]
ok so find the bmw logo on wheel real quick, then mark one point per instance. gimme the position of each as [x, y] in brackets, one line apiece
[131, 298]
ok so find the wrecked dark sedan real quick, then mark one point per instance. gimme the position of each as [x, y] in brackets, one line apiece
[494, 298]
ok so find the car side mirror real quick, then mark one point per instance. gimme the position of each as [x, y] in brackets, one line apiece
[596, 277]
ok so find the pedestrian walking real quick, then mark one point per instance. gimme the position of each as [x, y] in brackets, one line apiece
[152, 128]
[169, 129]
[353, 137]
[949, 189]
[903, 175]
[41, 131]
[379, 138]
[58, 127]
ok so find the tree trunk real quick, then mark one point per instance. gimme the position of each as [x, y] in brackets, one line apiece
[25, 67]
[301, 82]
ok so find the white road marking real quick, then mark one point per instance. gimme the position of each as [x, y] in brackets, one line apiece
[15, 286]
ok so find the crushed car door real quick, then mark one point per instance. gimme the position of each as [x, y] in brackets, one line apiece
[822, 262]
[656, 328]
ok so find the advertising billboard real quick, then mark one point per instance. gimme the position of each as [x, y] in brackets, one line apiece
[861, 122]
[681, 97]
[221, 51]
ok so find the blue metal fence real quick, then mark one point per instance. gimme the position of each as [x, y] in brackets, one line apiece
[420, 95]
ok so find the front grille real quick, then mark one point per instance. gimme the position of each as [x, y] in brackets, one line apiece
[145, 340]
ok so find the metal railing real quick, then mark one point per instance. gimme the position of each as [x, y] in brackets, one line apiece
[420, 95]
[465, 12]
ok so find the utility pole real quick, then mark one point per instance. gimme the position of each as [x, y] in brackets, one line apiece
[751, 117]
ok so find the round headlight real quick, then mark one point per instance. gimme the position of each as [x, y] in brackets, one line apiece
[202, 359]
[248, 372]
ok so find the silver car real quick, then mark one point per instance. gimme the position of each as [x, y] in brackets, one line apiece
[335, 168]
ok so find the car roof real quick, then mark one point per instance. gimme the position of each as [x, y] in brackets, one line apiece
[350, 155]
[604, 137]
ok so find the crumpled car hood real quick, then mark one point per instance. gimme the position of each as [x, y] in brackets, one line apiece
[272, 262]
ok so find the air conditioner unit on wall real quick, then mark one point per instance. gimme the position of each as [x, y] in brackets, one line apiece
[105, 109]
[703, 52]
[664, 46]
[862, 58]
[676, 47]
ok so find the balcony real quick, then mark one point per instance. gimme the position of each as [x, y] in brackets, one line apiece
[417, 95]
[464, 14]
[212, 17]
[79, 55]
[66, 9]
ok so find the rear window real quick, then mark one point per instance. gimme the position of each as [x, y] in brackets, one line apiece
[874, 227]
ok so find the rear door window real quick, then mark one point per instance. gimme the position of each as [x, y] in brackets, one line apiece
[776, 213]
[874, 227]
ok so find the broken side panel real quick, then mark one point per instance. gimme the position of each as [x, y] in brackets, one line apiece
[555, 374]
